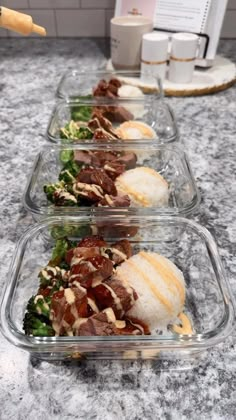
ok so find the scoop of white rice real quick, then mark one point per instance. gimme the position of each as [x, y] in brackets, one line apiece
[128, 91]
[135, 130]
[145, 187]
[160, 287]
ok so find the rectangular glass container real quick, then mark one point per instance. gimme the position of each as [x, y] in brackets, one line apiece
[155, 113]
[77, 85]
[208, 302]
[171, 163]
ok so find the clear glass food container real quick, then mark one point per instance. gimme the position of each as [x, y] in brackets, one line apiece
[77, 85]
[208, 302]
[155, 113]
[180, 196]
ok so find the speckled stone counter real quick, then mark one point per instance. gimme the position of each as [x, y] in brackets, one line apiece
[34, 390]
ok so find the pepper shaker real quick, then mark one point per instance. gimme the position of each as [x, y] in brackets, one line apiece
[154, 54]
[182, 57]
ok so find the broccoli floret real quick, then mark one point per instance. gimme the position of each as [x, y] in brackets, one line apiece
[50, 189]
[81, 113]
[39, 305]
[37, 326]
[36, 321]
[66, 155]
[59, 251]
[73, 130]
[71, 231]
[83, 133]
[72, 167]
[66, 176]
[59, 195]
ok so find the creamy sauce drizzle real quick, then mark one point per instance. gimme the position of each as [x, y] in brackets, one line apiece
[166, 274]
[185, 327]
[153, 288]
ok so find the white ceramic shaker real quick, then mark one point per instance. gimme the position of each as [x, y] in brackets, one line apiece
[182, 58]
[154, 54]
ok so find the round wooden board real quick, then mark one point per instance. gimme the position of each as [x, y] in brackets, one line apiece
[214, 79]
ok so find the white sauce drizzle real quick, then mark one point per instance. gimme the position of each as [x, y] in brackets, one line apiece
[70, 296]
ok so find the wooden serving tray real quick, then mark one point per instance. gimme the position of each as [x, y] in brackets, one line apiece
[214, 79]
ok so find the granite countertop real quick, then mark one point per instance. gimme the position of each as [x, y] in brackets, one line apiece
[31, 389]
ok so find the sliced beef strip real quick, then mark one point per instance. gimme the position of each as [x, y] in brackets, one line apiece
[117, 114]
[114, 169]
[128, 159]
[115, 82]
[99, 121]
[91, 241]
[99, 157]
[94, 269]
[109, 89]
[102, 134]
[65, 311]
[83, 157]
[97, 325]
[97, 177]
[112, 293]
[124, 251]
[91, 192]
[114, 201]
[75, 254]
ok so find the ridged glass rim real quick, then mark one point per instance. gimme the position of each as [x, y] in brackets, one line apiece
[92, 211]
[184, 342]
[69, 103]
[77, 73]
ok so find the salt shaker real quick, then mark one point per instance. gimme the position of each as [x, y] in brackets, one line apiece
[182, 57]
[154, 54]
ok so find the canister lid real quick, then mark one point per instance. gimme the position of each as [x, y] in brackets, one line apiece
[184, 45]
[154, 46]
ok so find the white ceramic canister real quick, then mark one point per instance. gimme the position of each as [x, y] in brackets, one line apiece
[126, 40]
[154, 54]
[184, 47]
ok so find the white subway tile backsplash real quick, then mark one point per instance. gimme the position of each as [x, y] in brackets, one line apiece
[109, 16]
[54, 4]
[86, 17]
[80, 23]
[44, 18]
[15, 4]
[97, 4]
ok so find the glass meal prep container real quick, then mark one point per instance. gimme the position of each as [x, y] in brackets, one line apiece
[170, 191]
[77, 85]
[147, 119]
[208, 303]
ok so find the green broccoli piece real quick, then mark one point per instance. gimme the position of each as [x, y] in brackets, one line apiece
[72, 167]
[39, 305]
[50, 189]
[59, 195]
[73, 130]
[59, 251]
[66, 176]
[84, 133]
[66, 155]
[81, 113]
[80, 231]
[37, 326]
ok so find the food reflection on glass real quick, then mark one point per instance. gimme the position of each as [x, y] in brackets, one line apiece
[106, 179]
[93, 288]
